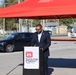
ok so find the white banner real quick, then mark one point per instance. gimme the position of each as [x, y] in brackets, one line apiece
[31, 57]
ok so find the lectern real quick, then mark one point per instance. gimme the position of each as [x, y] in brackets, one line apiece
[33, 61]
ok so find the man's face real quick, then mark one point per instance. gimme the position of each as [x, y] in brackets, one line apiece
[38, 29]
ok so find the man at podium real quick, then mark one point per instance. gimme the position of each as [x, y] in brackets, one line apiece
[42, 39]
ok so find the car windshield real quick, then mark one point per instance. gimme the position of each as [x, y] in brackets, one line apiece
[10, 36]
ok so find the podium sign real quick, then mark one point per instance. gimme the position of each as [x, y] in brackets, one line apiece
[31, 58]
[31, 61]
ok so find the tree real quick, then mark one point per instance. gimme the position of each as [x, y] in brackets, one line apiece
[12, 2]
[67, 22]
[1, 23]
[35, 22]
[10, 23]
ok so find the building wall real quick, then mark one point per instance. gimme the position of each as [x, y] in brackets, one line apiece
[61, 30]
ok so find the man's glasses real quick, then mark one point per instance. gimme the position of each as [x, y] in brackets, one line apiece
[38, 29]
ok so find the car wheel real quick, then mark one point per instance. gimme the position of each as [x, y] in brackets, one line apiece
[9, 48]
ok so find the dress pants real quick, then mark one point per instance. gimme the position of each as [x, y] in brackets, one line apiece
[43, 64]
[46, 65]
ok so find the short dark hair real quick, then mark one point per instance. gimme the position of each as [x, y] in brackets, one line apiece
[39, 25]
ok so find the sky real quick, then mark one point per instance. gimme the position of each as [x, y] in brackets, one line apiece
[1, 2]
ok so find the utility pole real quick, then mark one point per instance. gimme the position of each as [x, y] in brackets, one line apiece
[19, 19]
[3, 26]
[42, 22]
[5, 3]
[58, 27]
[4, 20]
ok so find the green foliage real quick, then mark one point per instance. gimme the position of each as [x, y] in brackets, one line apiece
[67, 22]
[10, 24]
[35, 22]
[11, 2]
[1, 23]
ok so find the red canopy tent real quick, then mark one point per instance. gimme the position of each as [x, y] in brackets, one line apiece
[39, 9]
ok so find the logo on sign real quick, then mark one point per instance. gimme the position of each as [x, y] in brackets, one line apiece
[29, 54]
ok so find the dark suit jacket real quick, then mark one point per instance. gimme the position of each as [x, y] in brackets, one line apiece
[44, 43]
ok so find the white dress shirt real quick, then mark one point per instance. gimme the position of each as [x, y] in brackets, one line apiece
[39, 36]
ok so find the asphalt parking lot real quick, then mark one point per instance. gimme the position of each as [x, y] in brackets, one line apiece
[11, 63]
[62, 60]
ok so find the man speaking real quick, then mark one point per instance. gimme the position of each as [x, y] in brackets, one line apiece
[41, 39]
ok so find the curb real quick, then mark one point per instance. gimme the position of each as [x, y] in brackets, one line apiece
[63, 39]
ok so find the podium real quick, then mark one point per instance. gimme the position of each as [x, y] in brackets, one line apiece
[33, 61]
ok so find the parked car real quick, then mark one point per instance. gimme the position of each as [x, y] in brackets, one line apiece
[15, 41]
[73, 32]
[50, 32]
